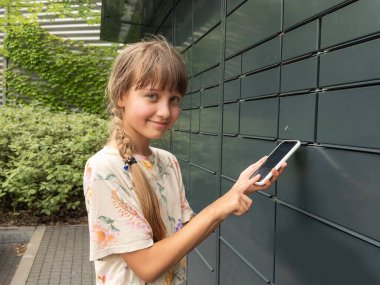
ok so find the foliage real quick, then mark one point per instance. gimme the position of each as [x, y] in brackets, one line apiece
[42, 158]
[28, 11]
[59, 73]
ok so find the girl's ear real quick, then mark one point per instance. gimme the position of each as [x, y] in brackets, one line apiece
[122, 100]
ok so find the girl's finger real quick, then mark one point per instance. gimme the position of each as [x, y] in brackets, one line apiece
[249, 185]
[252, 168]
[245, 204]
[247, 200]
[282, 168]
[277, 173]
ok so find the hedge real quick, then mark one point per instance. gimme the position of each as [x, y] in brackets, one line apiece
[42, 158]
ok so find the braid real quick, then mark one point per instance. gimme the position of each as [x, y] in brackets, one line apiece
[147, 197]
[122, 139]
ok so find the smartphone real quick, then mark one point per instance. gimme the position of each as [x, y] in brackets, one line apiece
[275, 159]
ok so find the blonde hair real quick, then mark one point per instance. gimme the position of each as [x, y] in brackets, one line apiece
[151, 62]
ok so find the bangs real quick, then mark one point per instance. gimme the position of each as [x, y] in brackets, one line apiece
[161, 69]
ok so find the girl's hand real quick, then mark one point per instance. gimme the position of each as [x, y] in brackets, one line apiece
[248, 186]
[236, 200]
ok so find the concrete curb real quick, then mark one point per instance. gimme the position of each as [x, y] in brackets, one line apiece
[23, 269]
[16, 234]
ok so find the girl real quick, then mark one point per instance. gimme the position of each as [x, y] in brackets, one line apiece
[141, 225]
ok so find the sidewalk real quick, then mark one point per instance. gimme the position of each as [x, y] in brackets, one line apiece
[56, 255]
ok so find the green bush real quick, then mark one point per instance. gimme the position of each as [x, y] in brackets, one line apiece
[42, 158]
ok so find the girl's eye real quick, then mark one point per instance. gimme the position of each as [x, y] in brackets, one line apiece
[176, 100]
[152, 96]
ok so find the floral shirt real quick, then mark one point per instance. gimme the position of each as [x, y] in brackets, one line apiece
[116, 221]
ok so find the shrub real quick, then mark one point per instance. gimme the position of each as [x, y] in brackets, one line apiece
[42, 158]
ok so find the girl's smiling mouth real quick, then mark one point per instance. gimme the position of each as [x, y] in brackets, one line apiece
[160, 124]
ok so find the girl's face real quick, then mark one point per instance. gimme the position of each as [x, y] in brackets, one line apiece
[148, 113]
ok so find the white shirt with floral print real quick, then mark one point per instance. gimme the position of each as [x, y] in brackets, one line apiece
[116, 221]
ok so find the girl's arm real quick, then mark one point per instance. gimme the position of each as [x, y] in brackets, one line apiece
[152, 262]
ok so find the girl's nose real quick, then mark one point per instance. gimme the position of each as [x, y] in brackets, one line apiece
[163, 110]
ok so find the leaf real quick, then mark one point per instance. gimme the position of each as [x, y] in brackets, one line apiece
[106, 219]
[114, 229]
[171, 219]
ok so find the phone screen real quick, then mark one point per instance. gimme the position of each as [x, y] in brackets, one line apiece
[274, 158]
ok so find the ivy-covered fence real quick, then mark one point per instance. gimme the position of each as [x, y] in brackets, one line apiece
[62, 74]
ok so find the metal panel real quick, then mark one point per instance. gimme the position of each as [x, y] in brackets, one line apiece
[196, 83]
[296, 11]
[315, 253]
[263, 83]
[233, 270]
[232, 4]
[321, 90]
[181, 144]
[206, 52]
[186, 102]
[350, 117]
[231, 118]
[232, 67]
[184, 120]
[292, 108]
[198, 272]
[231, 90]
[69, 28]
[263, 55]
[210, 77]
[202, 262]
[183, 32]
[203, 188]
[239, 153]
[127, 22]
[348, 194]
[208, 250]
[300, 41]
[339, 26]
[188, 58]
[196, 100]
[351, 64]
[210, 97]
[184, 166]
[259, 117]
[205, 151]
[252, 235]
[251, 23]
[206, 15]
[175, 126]
[189, 84]
[195, 118]
[163, 142]
[209, 122]
[166, 29]
[301, 75]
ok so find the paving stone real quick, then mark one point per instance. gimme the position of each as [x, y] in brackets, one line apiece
[63, 257]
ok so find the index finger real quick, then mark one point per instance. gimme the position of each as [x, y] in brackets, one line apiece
[252, 168]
